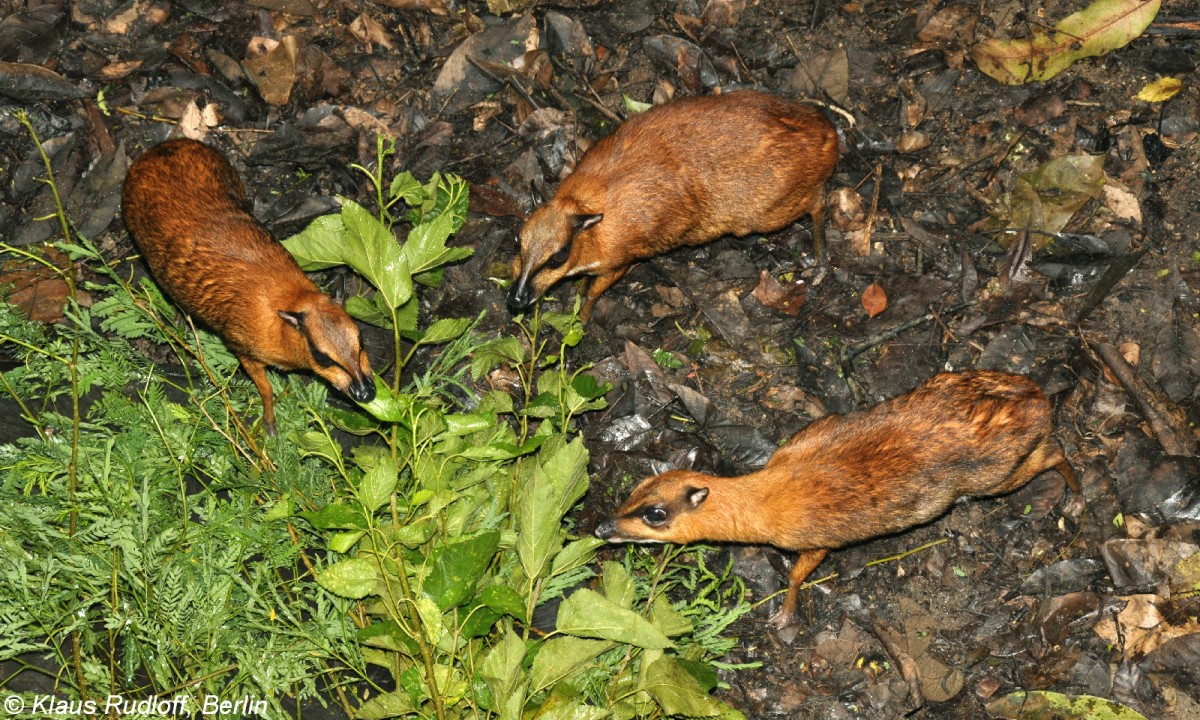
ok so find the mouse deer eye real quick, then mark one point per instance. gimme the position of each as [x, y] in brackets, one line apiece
[561, 256]
[654, 516]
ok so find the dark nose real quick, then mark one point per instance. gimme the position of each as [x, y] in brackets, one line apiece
[363, 390]
[606, 529]
[520, 296]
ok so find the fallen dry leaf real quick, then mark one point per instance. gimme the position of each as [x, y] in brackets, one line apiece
[1161, 90]
[1101, 27]
[370, 32]
[786, 299]
[874, 300]
[1142, 627]
[120, 69]
[274, 74]
[1122, 203]
[36, 290]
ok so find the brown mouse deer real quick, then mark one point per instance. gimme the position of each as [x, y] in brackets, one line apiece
[184, 205]
[845, 479]
[683, 173]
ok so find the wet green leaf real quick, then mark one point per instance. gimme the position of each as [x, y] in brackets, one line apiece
[361, 242]
[426, 244]
[336, 517]
[389, 635]
[467, 424]
[504, 599]
[618, 584]
[477, 619]
[355, 578]
[589, 614]
[387, 705]
[408, 188]
[386, 406]
[703, 672]
[319, 245]
[455, 568]
[668, 619]
[445, 330]
[577, 553]
[363, 309]
[431, 620]
[315, 443]
[501, 668]
[342, 542]
[557, 481]
[559, 657]
[490, 354]
[280, 509]
[677, 692]
[378, 484]
[355, 423]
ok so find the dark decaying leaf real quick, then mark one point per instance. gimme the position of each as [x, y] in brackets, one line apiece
[825, 74]
[38, 291]
[1142, 563]
[646, 372]
[274, 73]
[1179, 657]
[743, 444]
[1063, 615]
[684, 59]
[34, 83]
[460, 83]
[1064, 576]
[24, 28]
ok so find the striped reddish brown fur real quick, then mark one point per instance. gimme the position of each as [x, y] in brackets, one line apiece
[184, 205]
[682, 173]
[845, 479]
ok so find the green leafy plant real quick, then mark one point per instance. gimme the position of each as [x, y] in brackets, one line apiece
[134, 565]
[450, 533]
[667, 359]
[161, 547]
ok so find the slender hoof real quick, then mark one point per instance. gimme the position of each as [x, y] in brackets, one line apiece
[781, 618]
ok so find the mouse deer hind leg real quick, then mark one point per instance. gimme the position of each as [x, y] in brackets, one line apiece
[807, 561]
[817, 212]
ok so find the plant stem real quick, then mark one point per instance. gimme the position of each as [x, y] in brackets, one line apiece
[73, 367]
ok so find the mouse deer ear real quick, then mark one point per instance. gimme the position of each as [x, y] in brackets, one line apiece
[695, 496]
[583, 222]
[295, 319]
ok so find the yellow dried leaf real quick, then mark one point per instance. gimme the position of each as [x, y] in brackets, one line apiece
[1161, 90]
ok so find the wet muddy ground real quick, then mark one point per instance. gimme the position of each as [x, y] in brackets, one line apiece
[718, 354]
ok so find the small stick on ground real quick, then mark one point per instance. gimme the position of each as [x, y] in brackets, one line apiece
[849, 353]
[1168, 428]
